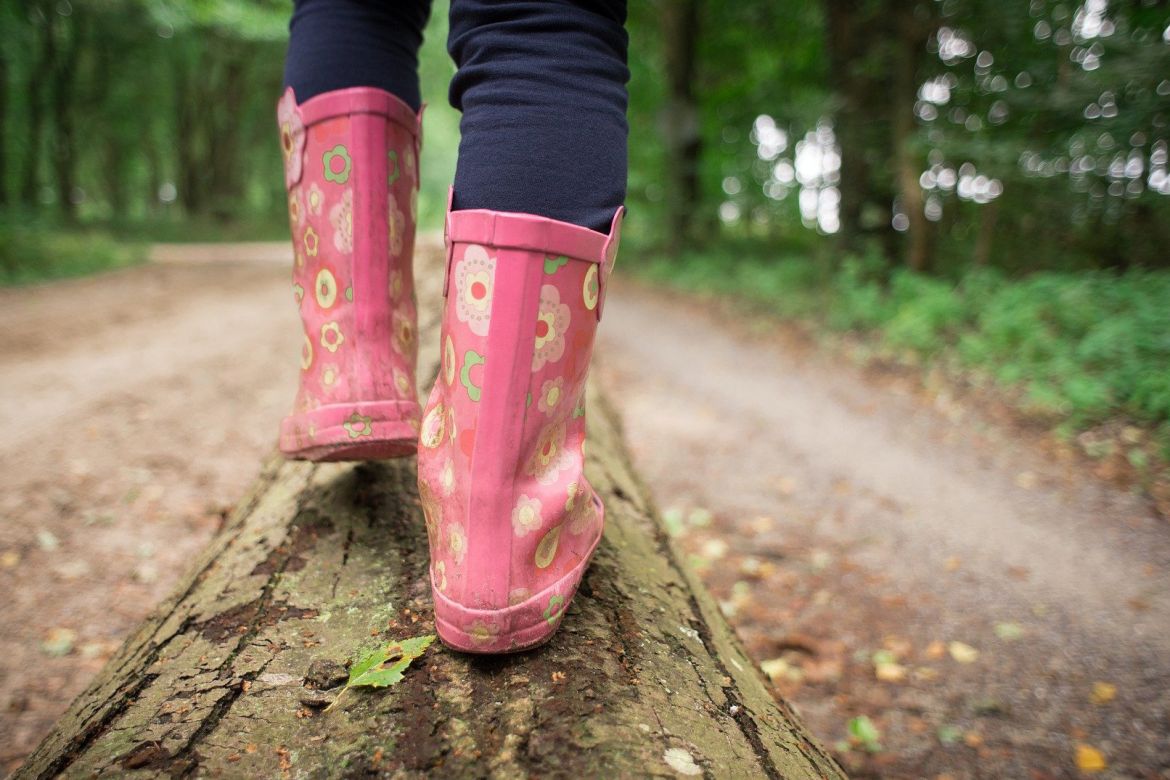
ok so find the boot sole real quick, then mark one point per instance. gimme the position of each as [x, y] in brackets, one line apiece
[377, 430]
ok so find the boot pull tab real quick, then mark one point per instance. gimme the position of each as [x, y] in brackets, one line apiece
[291, 124]
[447, 240]
[610, 256]
[418, 139]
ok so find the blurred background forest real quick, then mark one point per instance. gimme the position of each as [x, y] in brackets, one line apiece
[972, 184]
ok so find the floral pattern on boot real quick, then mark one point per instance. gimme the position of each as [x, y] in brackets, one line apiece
[352, 273]
[512, 519]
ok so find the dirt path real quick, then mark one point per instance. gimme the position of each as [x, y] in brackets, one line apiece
[841, 517]
[837, 516]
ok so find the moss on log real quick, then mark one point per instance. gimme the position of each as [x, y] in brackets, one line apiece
[229, 676]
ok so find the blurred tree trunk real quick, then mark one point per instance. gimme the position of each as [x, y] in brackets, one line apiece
[860, 35]
[849, 117]
[985, 239]
[227, 103]
[914, 26]
[3, 129]
[66, 54]
[30, 176]
[188, 108]
[680, 120]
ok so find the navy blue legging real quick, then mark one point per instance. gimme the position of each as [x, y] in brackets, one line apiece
[541, 84]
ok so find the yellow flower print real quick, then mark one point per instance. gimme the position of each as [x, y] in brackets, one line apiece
[550, 456]
[306, 353]
[331, 337]
[526, 515]
[546, 551]
[397, 228]
[395, 287]
[298, 257]
[481, 631]
[402, 383]
[441, 576]
[326, 288]
[329, 373]
[434, 426]
[296, 209]
[519, 596]
[580, 509]
[315, 199]
[312, 240]
[403, 335]
[451, 423]
[456, 542]
[449, 360]
[474, 278]
[590, 289]
[298, 292]
[414, 207]
[358, 425]
[341, 217]
[551, 393]
[447, 477]
[432, 513]
[552, 320]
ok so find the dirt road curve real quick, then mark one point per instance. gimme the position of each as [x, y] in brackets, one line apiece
[889, 553]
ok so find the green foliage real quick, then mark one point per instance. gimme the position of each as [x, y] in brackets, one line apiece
[1078, 347]
[34, 254]
[863, 730]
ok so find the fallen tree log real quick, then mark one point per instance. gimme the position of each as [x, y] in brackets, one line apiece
[230, 675]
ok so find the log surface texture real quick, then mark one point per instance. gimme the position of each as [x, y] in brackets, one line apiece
[320, 562]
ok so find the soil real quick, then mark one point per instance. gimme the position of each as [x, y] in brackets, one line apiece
[885, 549]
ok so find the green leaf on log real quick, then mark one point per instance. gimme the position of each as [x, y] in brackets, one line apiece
[383, 666]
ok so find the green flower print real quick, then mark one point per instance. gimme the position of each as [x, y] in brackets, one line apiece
[470, 359]
[329, 160]
[556, 606]
[551, 264]
[358, 425]
[392, 162]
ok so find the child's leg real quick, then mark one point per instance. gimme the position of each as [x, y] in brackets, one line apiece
[334, 44]
[542, 88]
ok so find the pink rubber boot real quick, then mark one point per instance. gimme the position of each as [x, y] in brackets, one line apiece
[512, 521]
[351, 168]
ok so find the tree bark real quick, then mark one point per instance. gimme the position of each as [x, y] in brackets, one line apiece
[319, 562]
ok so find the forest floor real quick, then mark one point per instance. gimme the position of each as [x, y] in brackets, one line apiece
[966, 592]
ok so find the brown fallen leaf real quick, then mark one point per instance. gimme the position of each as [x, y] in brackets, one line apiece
[935, 650]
